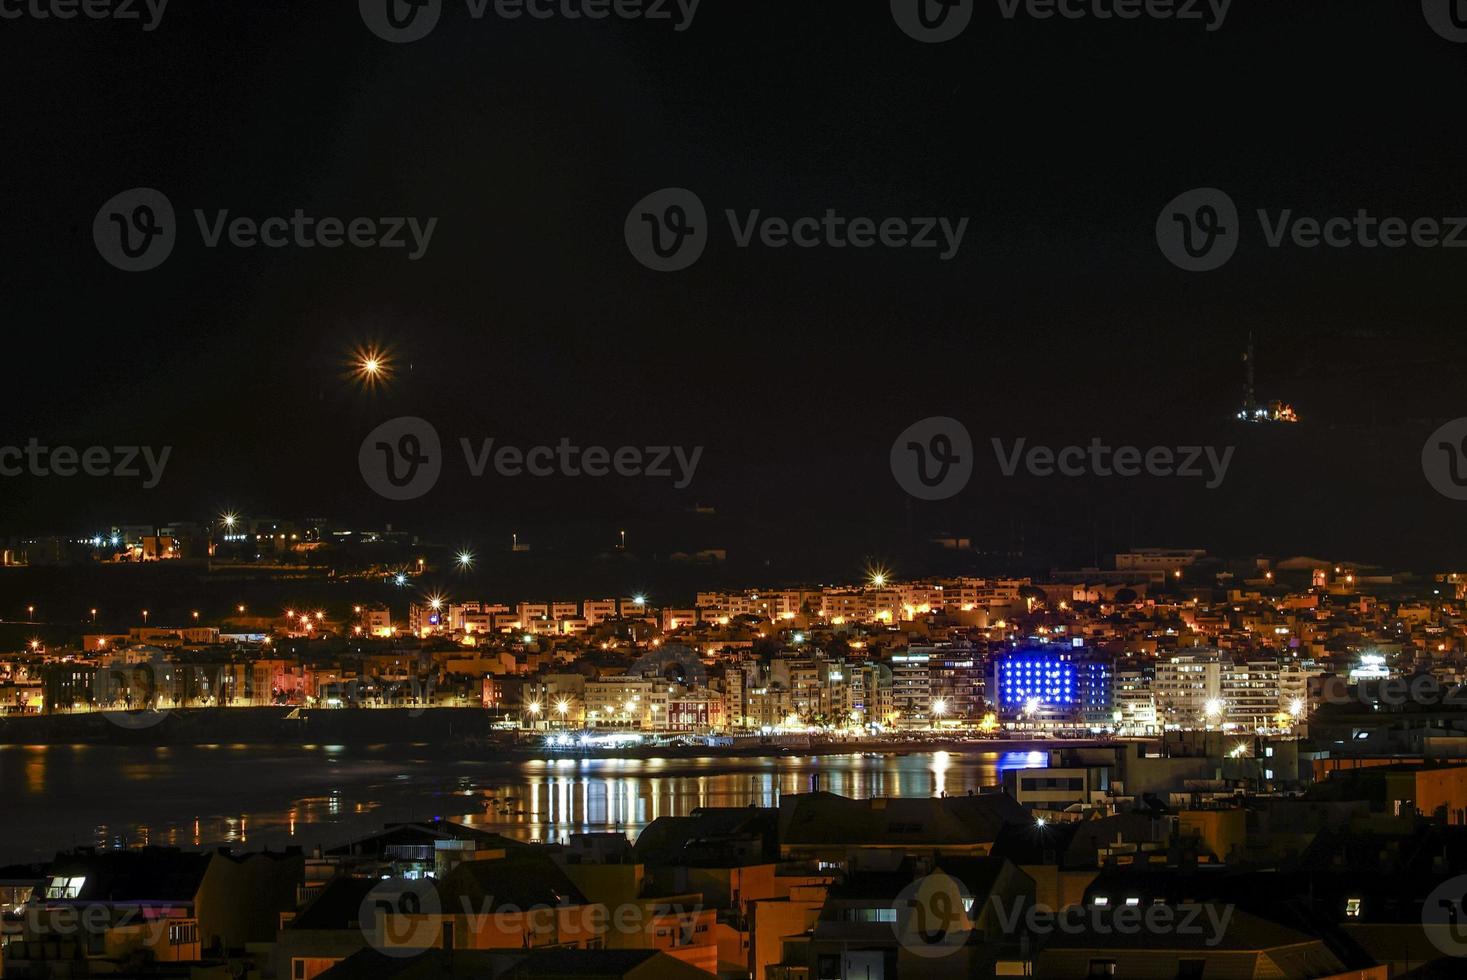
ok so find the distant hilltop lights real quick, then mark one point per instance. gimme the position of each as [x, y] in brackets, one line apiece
[1252, 411]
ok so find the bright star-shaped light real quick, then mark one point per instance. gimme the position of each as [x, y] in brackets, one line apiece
[371, 366]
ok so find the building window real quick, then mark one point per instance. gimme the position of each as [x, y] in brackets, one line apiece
[298, 969]
[1352, 908]
[1102, 968]
[185, 934]
[65, 887]
[1191, 969]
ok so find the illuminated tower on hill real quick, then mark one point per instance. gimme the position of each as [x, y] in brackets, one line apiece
[1275, 411]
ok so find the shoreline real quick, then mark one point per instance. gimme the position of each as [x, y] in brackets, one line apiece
[468, 732]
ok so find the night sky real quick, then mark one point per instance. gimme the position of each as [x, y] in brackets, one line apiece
[528, 319]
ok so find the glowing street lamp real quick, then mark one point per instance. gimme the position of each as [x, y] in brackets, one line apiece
[465, 560]
[1213, 709]
[145, 617]
[372, 367]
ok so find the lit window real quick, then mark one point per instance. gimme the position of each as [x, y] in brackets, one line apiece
[1352, 908]
[65, 887]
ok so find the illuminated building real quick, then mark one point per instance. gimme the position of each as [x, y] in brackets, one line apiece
[1053, 687]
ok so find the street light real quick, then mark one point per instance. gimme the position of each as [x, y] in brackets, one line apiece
[1213, 709]
[145, 617]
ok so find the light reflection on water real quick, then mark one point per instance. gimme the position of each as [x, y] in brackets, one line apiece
[57, 797]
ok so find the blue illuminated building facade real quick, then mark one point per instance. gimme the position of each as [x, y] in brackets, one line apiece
[1053, 686]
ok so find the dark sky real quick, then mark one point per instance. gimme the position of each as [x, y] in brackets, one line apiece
[528, 319]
